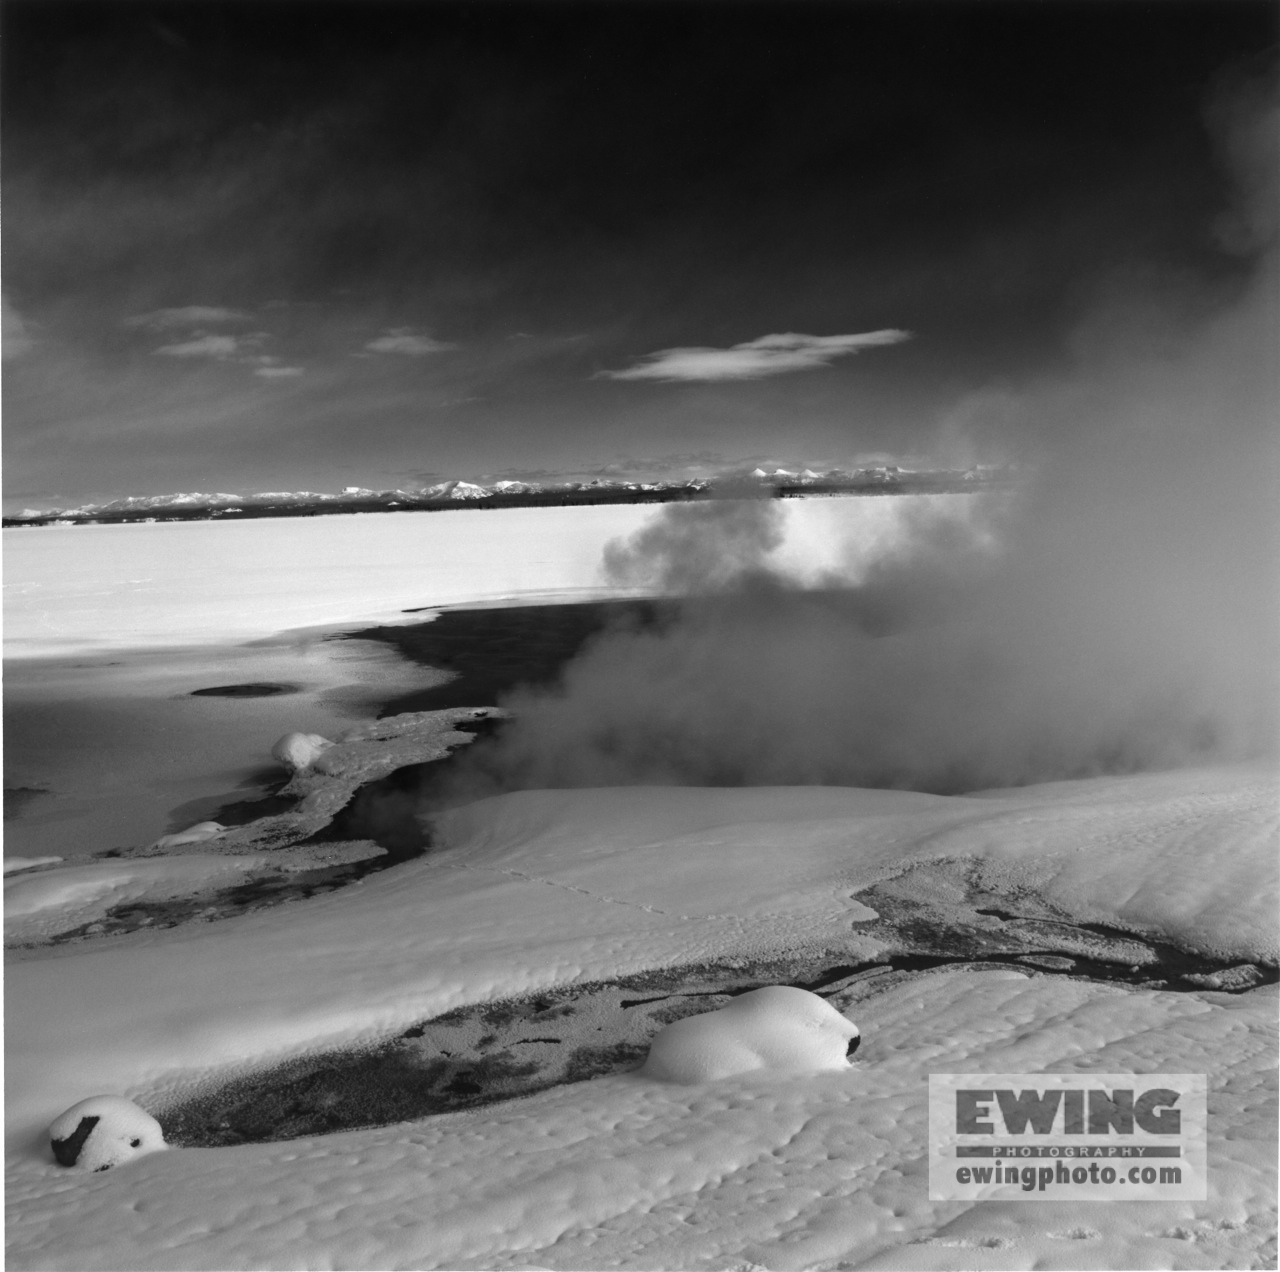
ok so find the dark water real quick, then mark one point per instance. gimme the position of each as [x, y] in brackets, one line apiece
[497, 1051]
[388, 810]
[493, 651]
[255, 689]
[490, 652]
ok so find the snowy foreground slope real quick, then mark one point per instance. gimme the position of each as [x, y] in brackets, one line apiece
[538, 889]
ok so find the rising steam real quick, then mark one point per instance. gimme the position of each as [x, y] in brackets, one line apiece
[1126, 618]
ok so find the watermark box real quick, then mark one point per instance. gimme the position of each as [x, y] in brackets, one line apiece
[1067, 1137]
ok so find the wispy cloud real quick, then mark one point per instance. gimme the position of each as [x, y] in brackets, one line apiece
[224, 348]
[17, 340]
[185, 316]
[278, 373]
[188, 329]
[207, 346]
[404, 340]
[766, 355]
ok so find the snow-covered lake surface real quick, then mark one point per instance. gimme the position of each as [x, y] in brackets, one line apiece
[109, 629]
[541, 889]
[78, 590]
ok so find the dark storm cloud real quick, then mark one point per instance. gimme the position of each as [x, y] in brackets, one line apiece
[465, 171]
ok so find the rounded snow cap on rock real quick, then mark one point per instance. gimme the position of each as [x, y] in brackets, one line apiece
[196, 834]
[779, 1028]
[104, 1131]
[300, 750]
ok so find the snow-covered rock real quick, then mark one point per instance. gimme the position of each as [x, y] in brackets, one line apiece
[779, 1028]
[40, 904]
[12, 865]
[300, 751]
[104, 1131]
[196, 834]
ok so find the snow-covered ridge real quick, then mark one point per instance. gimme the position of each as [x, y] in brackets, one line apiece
[455, 492]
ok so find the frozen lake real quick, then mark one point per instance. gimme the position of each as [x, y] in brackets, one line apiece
[75, 590]
[109, 630]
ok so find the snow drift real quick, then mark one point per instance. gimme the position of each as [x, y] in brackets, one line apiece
[545, 888]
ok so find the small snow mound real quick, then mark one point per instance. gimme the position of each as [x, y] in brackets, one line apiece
[778, 1028]
[196, 834]
[104, 1131]
[300, 751]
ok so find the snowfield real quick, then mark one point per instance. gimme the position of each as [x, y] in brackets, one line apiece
[823, 1172]
[90, 589]
[718, 1170]
[538, 889]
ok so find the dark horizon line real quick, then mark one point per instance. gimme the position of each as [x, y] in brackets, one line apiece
[574, 494]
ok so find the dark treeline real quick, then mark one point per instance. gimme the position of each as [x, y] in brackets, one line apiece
[561, 497]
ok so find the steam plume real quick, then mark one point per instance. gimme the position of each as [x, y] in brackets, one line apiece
[1127, 618]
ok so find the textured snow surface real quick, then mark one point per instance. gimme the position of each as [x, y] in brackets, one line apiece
[1186, 855]
[823, 1170]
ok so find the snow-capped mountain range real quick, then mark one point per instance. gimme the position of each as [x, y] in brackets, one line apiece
[199, 504]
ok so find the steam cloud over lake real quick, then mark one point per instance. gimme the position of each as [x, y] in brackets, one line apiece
[1117, 613]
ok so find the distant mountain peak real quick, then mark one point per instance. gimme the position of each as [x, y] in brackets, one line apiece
[187, 505]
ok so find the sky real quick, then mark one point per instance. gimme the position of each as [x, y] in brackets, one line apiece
[301, 245]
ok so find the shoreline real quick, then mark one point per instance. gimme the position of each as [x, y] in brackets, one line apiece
[195, 726]
[490, 650]
[122, 750]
